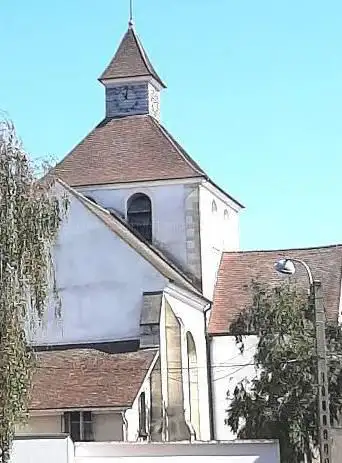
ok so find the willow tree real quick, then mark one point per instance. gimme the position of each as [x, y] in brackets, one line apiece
[30, 215]
[281, 401]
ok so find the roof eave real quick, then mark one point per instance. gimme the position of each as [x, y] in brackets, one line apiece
[106, 79]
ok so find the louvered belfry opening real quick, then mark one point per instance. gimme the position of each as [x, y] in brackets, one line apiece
[139, 215]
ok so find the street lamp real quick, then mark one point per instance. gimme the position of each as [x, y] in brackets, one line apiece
[287, 267]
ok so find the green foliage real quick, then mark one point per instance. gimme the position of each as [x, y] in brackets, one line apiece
[281, 401]
[29, 219]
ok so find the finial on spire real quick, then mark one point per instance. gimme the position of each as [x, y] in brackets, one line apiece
[130, 22]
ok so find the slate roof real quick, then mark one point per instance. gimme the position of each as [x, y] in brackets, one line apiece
[88, 378]
[128, 149]
[130, 60]
[238, 269]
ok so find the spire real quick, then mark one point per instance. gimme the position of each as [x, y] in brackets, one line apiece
[130, 22]
[130, 60]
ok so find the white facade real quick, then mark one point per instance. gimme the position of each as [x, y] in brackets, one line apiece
[100, 280]
[219, 231]
[168, 211]
[217, 215]
[104, 274]
[131, 421]
[264, 451]
[190, 314]
[40, 450]
[229, 367]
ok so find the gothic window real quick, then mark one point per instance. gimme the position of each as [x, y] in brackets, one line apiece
[193, 383]
[142, 416]
[139, 215]
[213, 207]
[79, 425]
[226, 214]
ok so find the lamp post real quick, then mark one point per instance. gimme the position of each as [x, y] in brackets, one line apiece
[287, 267]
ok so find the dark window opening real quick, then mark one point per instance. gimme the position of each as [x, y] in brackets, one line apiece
[79, 425]
[139, 215]
[142, 416]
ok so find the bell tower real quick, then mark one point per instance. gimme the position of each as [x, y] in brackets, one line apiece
[132, 85]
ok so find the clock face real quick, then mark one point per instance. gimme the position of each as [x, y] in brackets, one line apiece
[126, 98]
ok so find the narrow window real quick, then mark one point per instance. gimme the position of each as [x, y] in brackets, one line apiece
[193, 384]
[142, 416]
[213, 207]
[87, 429]
[79, 425]
[139, 215]
[226, 214]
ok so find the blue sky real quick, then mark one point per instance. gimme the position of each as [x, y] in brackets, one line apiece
[254, 95]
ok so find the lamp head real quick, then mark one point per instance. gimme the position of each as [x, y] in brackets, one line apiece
[285, 266]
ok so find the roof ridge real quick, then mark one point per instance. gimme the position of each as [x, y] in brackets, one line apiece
[145, 58]
[191, 162]
[187, 158]
[251, 251]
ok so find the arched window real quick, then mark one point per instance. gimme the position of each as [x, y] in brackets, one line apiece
[139, 215]
[193, 384]
[226, 214]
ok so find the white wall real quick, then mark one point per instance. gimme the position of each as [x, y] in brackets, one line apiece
[100, 280]
[62, 451]
[219, 232]
[229, 367]
[47, 424]
[42, 450]
[192, 319]
[223, 452]
[132, 414]
[168, 212]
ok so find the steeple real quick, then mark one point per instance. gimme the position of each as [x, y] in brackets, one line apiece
[130, 60]
[132, 84]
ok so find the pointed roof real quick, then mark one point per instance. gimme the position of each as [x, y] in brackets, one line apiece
[130, 60]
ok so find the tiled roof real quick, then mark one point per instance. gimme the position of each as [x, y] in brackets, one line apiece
[238, 269]
[128, 149]
[130, 60]
[78, 378]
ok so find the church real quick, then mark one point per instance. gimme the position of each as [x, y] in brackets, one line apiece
[150, 277]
